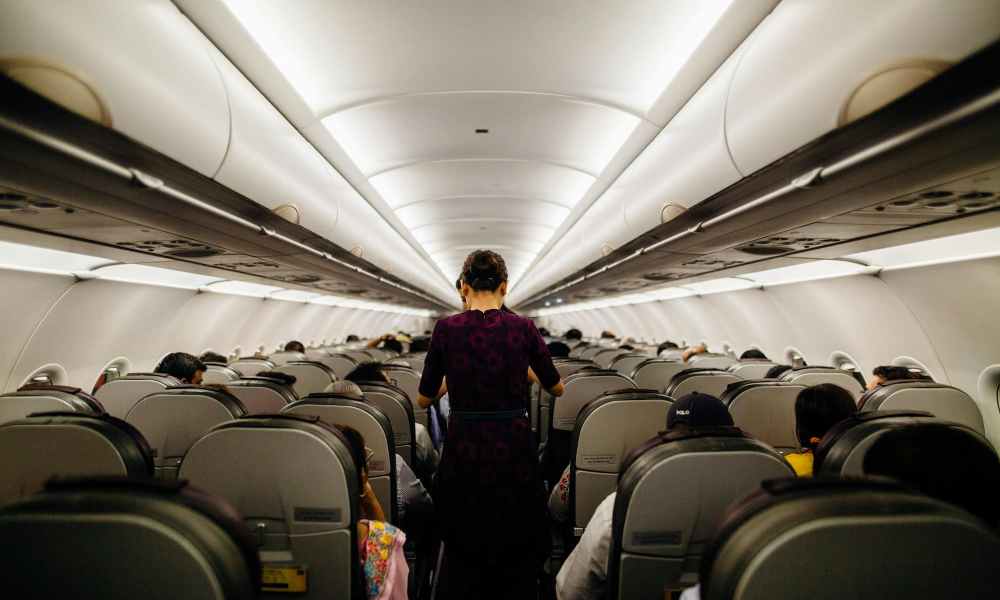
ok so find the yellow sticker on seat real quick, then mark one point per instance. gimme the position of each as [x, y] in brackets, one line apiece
[283, 578]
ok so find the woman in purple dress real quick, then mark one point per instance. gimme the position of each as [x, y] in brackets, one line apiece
[489, 494]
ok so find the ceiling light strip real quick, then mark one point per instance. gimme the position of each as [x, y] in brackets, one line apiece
[811, 178]
[156, 184]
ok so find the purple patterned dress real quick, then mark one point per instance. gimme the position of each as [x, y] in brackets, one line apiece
[488, 480]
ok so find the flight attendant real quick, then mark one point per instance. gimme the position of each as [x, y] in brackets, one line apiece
[489, 494]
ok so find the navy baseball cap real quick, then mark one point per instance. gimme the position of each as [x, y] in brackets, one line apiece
[699, 410]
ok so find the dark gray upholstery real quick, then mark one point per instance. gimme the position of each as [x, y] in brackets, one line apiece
[825, 540]
[626, 363]
[118, 396]
[46, 445]
[605, 357]
[262, 395]
[709, 360]
[340, 363]
[765, 409]
[407, 380]
[126, 539]
[46, 398]
[397, 407]
[281, 358]
[810, 376]
[172, 420]
[671, 498]
[705, 381]
[248, 367]
[311, 377]
[751, 368]
[295, 481]
[943, 401]
[219, 374]
[656, 373]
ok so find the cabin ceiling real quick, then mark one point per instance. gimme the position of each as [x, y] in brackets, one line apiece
[478, 125]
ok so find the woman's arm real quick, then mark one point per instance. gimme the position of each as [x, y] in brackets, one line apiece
[370, 507]
[557, 389]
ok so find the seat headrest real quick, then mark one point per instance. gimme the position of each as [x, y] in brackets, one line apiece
[136, 451]
[835, 433]
[678, 435]
[345, 388]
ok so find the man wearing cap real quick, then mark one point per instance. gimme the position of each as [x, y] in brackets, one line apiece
[584, 574]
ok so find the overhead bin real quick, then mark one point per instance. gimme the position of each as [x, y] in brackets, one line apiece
[813, 66]
[139, 67]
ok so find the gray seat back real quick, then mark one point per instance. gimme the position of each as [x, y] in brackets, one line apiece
[126, 539]
[407, 380]
[863, 540]
[752, 369]
[626, 363]
[118, 396]
[295, 481]
[765, 409]
[810, 376]
[219, 374]
[656, 373]
[46, 398]
[704, 381]
[943, 401]
[361, 356]
[311, 377]
[394, 405]
[605, 357]
[248, 367]
[373, 425]
[569, 366]
[340, 364]
[46, 445]
[673, 354]
[175, 418]
[671, 498]
[581, 388]
[712, 361]
[262, 395]
[606, 431]
[589, 352]
[281, 358]
[416, 361]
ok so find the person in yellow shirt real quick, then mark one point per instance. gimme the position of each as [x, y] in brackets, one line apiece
[817, 409]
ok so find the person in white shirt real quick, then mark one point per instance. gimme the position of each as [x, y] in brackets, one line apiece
[584, 575]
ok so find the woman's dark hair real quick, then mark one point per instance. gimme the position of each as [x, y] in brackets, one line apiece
[352, 338]
[558, 350]
[357, 444]
[458, 284]
[818, 408]
[420, 344]
[212, 357]
[367, 371]
[295, 346]
[573, 334]
[394, 345]
[777, 371]
[665, 346]
[181, 365]
[484, 270]
[753, 353]
[895, 373]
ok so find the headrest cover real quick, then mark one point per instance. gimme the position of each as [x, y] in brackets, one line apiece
[699, 410]
[345, 388]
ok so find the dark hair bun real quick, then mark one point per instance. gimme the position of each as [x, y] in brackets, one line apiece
[484, 270]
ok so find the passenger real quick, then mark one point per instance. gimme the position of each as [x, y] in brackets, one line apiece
[777, 371]
[886, 373]
[380, 545]
[351, 338]
[558, 349]
[584, 574]
[183, 366]
[213, 357]
[608, 335]
[694, 350]
[295, 346]
[753, 354]
[284, 378]
[626, 347]
[426, 455]
[817, 409]
[387, 342]
[495, 534]
[544, 332]
[420, 344]
[573, 334]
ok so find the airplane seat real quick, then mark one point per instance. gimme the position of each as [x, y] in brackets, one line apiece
[218, 374]
[626, 363]
[710, 360]
[673, 354]
[400, 361]
[706, 381]
[118, 396]
[295, 481]
[656, 373]
[248, 367]
[822, 538]
[565, 367]
[408, 381]
[262, 395]
[765, 409]
[119, 538]
[174, 419]
[416, 361]
[286, 356]
[340, 363]
[941, 400]
[605, 357]
[606, 431]
[576, 350]
[589, 352]
[815, 375]
[35, 398]
[580, 389]
[310, 376]
[373, 425]
[672, 494]
[397, 407]
[68, 444]
[360, 356]
[751, 368]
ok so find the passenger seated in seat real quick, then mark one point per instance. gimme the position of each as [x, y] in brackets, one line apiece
[380, 545]
[213, 357]
[295, 346]
[351, 338]
[777, 371]
[420, 344]
[427, 456]
[573, 334]
[693, 350]
[753, 353]
[558, 350]
[608, 335]
[584, 574]
[886, 373]
[664, 347]
[183, 366]
[387, 342]
[817, 409]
